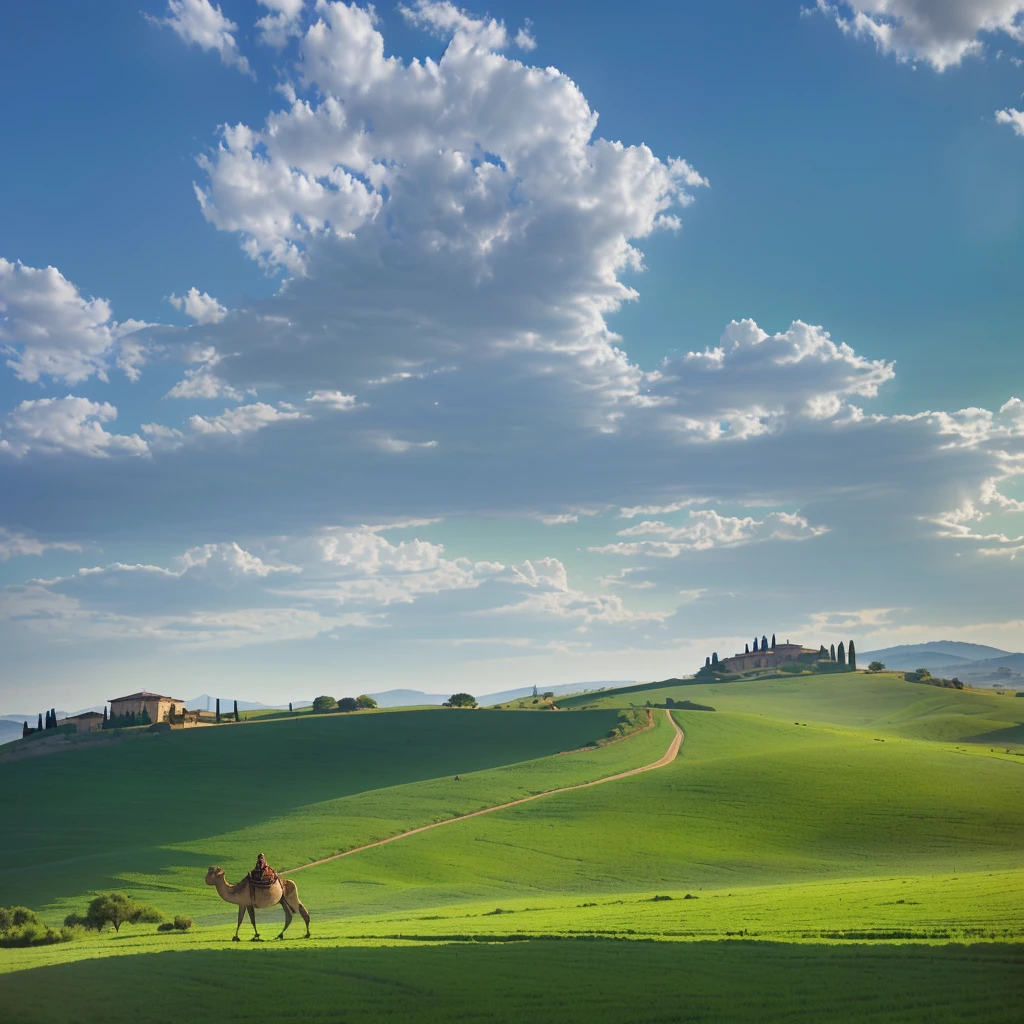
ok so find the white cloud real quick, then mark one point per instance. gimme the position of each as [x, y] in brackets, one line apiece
[243, 420]
[284, 21]
[560, 519]
[552, 597]
[73, 425]
[14, 544]
[333, 400]
[1012, 117]
[200, 306]
[706, 529]
[203, 24]
[940, 32]
[51, 330]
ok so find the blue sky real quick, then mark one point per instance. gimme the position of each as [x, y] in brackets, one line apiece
[455, 398]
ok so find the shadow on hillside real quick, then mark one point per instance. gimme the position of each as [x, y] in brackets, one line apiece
[540, 980]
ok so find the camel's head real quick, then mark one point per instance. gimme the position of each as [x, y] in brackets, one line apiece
[213, 874]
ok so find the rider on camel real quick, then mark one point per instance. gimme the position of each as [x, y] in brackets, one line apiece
[262, 874]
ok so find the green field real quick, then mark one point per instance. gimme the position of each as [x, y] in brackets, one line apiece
[845, 841]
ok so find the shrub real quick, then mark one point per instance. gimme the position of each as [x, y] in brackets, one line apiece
[324, 704]
[167, 926]
[20, 926]
[182, 923]
[875, 666]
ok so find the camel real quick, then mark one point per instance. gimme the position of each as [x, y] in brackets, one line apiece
[250, 898]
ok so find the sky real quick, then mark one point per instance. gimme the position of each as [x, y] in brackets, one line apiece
[347, 348]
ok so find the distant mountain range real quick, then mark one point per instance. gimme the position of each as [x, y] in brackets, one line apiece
[973, 663]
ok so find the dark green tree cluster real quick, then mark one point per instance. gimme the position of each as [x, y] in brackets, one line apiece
[323, 704]
[460, 700]
[128, 720]
[20, 926]
[114, 909]
[365, 702]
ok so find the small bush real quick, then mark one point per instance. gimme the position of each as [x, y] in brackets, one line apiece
[167, 926]
[20, 926]
[182, 923]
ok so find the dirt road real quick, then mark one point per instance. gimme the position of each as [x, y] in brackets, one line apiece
[667, 758]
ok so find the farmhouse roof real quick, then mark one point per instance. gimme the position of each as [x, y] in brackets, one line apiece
[84, 714]
[143, 695]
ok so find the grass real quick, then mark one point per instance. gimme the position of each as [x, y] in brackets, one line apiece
[812, 814]
[379, 774]
[882, 703]
[616, 982]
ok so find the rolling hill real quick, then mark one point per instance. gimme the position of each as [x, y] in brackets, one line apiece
[812, 814]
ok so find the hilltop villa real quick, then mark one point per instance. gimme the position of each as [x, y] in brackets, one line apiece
[766, 657]
[157, 706]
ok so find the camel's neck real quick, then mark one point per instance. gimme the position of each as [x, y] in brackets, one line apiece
[223, 887]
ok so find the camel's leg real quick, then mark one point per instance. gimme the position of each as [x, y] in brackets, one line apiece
[252, 917]
[241, 916]
[291, 897]
[288, 915]
[305, 916]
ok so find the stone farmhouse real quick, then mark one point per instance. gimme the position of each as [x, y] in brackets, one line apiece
[766, 657]
[88, 721]
[158, 706]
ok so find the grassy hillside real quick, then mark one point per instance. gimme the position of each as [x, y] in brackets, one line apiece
[549, 982]
[883, 703]
[815, 810]
[90, 818]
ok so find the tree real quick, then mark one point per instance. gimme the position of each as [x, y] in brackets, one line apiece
[549, 695]
[39, 726]
[117, 909]
[764, 643]
[24, 730]
[105, 716]
[755, 645]
[348, 704]
[714, 658]
[289, 706]
[746, 648]
[875, 666]
[460, 700]
[851, 656]
[840, 654]
[707, 662]
[218, 711]
[324, 704]
[773, 641]
[832, 653]
[365, 701]
[822, 651]
[237, 719]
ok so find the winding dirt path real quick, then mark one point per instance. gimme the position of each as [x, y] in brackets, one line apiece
[667, 758]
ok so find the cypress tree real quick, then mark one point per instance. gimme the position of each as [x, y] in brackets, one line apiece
[707, 663]
[773, 641]
[755, 645]
[24, 730]
[218, 710]
[289, 706]
[852, 656]
[832, 653]
[714, 657]
[822, 651]
[237, 719]
[764, 643]
[39, 725]
[746, 648]
[841, 654]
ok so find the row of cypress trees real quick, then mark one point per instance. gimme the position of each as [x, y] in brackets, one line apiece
[839, 655]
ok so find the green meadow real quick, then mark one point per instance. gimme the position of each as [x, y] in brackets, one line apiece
[840, 847]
